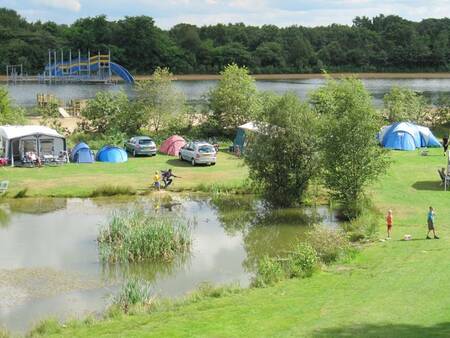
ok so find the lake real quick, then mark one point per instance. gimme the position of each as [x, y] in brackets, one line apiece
[25, 94]
[49, 263]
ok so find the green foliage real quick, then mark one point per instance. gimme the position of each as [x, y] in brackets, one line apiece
[133, 292]
[9, 114]
[330, 245]
[159, 102]
[283, 155]
[111, 113]
[136, 234]
[269, 272]
[208, 290]
[352, 158]
[301, 261]
[383, 43]
[112, 190]
[45, 327]
[365, 227]
[404, 104]
[234, 101]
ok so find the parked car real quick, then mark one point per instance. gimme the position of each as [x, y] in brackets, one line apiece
[141, 145]
[198, 153]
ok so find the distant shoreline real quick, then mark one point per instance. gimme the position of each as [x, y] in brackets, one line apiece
[302, 76]
[200, 77]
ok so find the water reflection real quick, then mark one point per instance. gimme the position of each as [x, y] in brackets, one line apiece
[55, 244]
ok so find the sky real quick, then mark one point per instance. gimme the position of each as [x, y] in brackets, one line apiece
[168, 13]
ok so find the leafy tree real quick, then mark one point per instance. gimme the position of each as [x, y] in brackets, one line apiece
[159, 101]
[234, 100]
[352, 157]
[111, 113]
[9, 114]
[50, 116]
[282, 155]
[404, 104]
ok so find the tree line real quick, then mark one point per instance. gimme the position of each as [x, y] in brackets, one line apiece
[378, 44]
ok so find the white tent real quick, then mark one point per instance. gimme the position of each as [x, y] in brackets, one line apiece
[15, 141]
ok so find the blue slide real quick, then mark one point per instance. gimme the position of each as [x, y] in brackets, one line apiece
[116, 69]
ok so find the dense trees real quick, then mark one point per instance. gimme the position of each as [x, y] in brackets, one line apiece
[383, 43]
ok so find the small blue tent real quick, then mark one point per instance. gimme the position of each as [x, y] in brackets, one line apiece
[407, 136]
[112, 154]
[81, 153]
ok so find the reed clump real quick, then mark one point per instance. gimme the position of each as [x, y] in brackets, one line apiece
[135, 234]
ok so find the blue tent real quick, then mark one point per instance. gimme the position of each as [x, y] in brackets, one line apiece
[242, 134]
[112, 154]
[81, 153]
[407, 136]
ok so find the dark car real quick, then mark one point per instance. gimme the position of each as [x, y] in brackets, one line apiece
[141, 145]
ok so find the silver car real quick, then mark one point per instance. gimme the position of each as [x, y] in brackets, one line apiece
[141, 145]
[198, 153]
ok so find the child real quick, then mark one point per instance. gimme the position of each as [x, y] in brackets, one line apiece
[430, 220]
[389, 222]
[156, 179]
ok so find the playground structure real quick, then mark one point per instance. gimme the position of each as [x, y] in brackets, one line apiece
[93, 68]
[96, 68]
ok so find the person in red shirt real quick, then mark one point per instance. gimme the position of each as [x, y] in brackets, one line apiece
[389, 223]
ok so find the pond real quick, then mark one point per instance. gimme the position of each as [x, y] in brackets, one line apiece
[25, 94]
[49, 264]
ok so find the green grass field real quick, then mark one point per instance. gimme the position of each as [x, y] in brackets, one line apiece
[391, 289]
[79, 180]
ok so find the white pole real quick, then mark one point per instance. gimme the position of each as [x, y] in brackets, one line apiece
[12, 153]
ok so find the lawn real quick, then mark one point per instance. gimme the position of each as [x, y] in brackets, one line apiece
[391, 289]
[79, 180]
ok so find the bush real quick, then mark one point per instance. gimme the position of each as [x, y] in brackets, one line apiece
[270, 271]
[133, 292]
[330, 245]
[365, 227]
[302, 261]
[134, 234]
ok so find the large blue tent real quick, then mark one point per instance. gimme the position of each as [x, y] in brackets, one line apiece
[112, 154]
[407, 136]
[81, 153]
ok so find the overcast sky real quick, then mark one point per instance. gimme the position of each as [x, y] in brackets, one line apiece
[254, 12]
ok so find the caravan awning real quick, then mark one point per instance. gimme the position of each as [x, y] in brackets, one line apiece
[12, 132]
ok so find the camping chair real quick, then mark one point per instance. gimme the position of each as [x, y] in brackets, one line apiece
[3, 187]
[445, 179]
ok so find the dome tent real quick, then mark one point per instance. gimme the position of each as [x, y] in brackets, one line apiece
[407, 136]
[81, 153]
[172, 145]
[112, 154]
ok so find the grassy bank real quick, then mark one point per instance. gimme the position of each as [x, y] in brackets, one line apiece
[81, 180]
[391, 289]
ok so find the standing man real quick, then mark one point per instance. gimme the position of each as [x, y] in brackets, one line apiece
[430, 220]
[389, 222]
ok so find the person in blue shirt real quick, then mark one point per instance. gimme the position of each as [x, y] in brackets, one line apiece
[430, 221]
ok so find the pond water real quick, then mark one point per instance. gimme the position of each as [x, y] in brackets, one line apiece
[25, 94]
[49, 264]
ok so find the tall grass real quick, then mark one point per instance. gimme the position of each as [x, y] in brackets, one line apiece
[133, 292]
[112, 190]
[135, 234]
